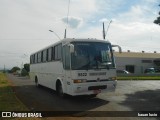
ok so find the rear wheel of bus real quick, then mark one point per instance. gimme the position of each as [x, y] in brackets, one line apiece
[36, 82]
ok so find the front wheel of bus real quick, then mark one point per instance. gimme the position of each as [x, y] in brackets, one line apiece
[93, 95]
[60, 90]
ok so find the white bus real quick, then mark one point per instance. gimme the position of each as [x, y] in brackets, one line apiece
[75, 67]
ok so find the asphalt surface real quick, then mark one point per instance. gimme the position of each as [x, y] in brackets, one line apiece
[129, 96]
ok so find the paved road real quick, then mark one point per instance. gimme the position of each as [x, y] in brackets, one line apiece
[129, 96]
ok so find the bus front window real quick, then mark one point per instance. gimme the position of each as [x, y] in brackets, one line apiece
[92, 55]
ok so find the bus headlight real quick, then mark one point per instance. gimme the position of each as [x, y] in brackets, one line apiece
[79, 81]
[113, 78]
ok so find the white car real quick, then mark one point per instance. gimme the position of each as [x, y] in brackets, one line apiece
[122, 72]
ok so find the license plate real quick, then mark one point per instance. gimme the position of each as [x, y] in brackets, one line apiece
[96, 91]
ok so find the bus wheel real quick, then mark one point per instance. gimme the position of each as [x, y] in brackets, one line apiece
[93, 95]
[36, 82]
[59, 90]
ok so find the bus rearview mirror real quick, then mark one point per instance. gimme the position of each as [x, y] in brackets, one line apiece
[120, 49]
[71, 48]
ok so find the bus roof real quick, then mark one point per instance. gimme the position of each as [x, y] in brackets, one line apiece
[68, 40]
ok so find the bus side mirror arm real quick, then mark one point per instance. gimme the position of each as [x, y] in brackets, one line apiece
[120, 49]
[71, 46]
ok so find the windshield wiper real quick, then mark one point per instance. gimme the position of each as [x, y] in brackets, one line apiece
[105, 65]
[108, 63]
[84, 67]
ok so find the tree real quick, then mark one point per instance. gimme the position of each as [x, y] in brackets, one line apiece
[27, 67]
[14, 69]
[157, 21]
[25, 70]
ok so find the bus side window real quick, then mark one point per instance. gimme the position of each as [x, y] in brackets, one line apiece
[53, 53]
[50, 54]
[66, 57]
[31, 59]
[44, 55]
[58, 52]
[39, 57]
[47, 55]
[35, 58]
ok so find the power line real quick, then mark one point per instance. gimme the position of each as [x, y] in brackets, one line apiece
[4, 39]
[141, 47]
[68, 13]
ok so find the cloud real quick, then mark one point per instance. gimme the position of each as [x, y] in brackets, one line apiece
[103, 20]
[83, 7]
[135, 36]
[25, 24]
[73, 22]
[138, 13]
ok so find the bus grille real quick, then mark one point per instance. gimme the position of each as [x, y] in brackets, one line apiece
[97, 87]
[98, 80]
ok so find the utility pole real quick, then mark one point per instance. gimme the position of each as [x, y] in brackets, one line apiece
[65, 33]
[108, 27]
[4, 71]
[105, 33]
[55, 34]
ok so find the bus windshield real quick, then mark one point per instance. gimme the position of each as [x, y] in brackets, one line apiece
[92, 55]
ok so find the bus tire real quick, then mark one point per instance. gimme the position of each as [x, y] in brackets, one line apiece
[59, 89]
[36, 82]
[93, 95]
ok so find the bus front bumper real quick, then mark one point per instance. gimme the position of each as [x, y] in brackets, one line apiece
[94, 88]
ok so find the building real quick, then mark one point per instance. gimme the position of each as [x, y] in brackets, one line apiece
[135, 62]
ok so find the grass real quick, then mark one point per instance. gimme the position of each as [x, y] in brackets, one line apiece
[139, 78]
[8, 99]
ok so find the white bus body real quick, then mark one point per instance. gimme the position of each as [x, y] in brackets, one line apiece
[75, 67]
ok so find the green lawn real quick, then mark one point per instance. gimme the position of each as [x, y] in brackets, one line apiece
[139, 78]
[8, 99]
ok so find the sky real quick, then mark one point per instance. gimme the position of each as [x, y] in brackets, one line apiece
[25, 25]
